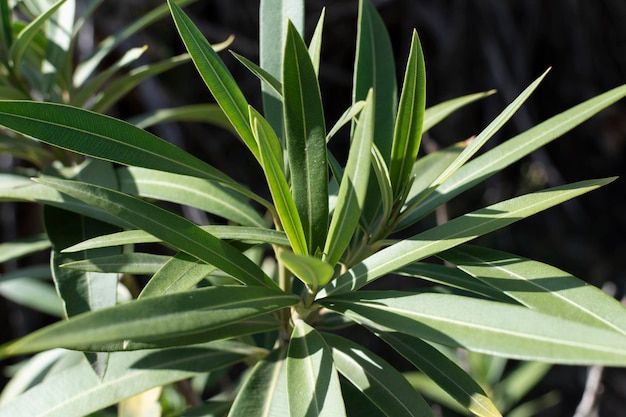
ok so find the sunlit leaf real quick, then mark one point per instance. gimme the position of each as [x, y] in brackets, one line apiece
[312, 381]
[483, 326]
[455, 232]
[305, 133]
[153, 319]
[376, 379]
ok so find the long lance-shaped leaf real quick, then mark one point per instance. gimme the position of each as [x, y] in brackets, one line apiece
[374, 68]
[376, 379]
[86, 68]
[23, 247]
[82, 291]
[89, 90]
[315, 46]
[305, 133]
[120, 88]
[55, 68]
[435, 114]
[539, 286]
[312, 380]
[6, 25]
[23, 189]
[155, 318]
[268, 79]
[475, 145]
[444, 372]
[101, 137]
[279, 188]
[171, 228]
[180, 273]
[195, 192]
[353, 187]
[209, 113]
[126, 263]
[427, 168]
[216, 76]
[273, 18]
[452, 277]
[77, 391]
[264, 394]
[407, 133]
[455, 232]
[251, 235]
[483, 326]
[26, 35]
[493, 161]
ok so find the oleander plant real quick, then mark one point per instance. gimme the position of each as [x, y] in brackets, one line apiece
[255, 314]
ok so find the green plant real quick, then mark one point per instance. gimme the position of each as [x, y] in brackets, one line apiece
[275, 290]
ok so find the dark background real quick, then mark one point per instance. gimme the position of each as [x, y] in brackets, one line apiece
[469, 46]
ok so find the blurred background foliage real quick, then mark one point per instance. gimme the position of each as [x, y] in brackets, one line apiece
[469, 46]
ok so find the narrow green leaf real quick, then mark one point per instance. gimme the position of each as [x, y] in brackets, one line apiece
[487, 164]
[216, 76]
[435, 114]
[315, 46]
[153, 319]
[283, 200]
[26, 35]
[180, 273]
[483, 326]
[77, 391]
[452, 277]
[32, 293]
[540, 287]
[23, 189]
[120, 88]
[86, 68]
[407, 133]
[55, 68]
[195, 192]
[455, 232]
[101, 137]
[264, 394]
[312, 271]
[376, 379]
[273, 18]
[126, 263]
[171, 228]
[448, 375]
[6, 26]
[81, 291]
[348, 116]
[90, 88]
[427, 168]
[204, 113]
[305, 133]
[383, 179]
[251, 235]
[312, 381]
[268, 79]
[353, 187]
[374, 68]
[484, 136]
[23, 247]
